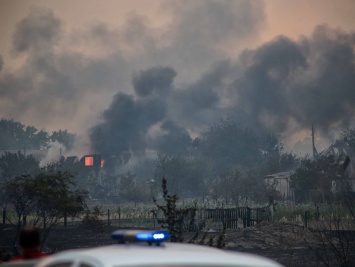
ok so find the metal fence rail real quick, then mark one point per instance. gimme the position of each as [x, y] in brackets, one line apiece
[233, 218]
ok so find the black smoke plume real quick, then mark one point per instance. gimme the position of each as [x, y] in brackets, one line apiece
[157, 79]
[126, 122]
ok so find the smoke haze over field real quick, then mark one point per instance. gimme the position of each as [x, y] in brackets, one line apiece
[134, 83]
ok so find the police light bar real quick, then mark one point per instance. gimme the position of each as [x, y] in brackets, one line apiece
[123, 236]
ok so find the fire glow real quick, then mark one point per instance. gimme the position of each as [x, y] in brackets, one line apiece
[89, 161]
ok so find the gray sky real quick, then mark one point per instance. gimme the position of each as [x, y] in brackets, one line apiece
[77, 64]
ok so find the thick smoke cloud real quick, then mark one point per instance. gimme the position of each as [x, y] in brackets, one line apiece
[54, 86]
[203, 28]
[281, 86]
[263, 89]
[70, 77]
[67, 76]
[174, 140]
[325, 90]
[127, 121]
[37, 32]
[198, 104]
[157, 79]
[200, 33]
[1, 63]
[288, 85]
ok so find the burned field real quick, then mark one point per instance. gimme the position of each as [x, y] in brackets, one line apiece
[289, 244]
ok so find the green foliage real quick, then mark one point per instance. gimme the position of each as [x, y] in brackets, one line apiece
[176, 140]
[55, 182]
[16, 136]
[19, 193]
[228, 144]
[276, 163]
[92, 219]
[331, 240]
[185, 174]
[348, 136]
[316, 175]
[16, 164]
[172, 217]
[63, 137]
[270, 145]
[127, 186]
[13, 165]
[45, 198]
[209, 239]
[236, 184]
[228, 186]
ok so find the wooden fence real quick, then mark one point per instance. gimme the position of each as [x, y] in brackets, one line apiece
[248, 216]
[232, 218]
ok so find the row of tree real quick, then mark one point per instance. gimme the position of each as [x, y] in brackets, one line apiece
[43, 198]
[17, 136]
[227, 162]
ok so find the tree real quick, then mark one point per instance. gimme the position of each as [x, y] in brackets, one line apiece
[176, 220]
[15, 165]
[11, 134]
[92, 219]
[238, 184]
[331, 241]
[63, 137]
[270, 145]
[348, 136]
[172, 218]
[316, 175]
[229, 144]
[19, 193]
[15, 136]
[46, 197]
[127, 186]
[275, 163]
[229, 186]
[185, 173]
[175, 140]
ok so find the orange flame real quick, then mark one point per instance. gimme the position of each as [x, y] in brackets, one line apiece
[89, 161]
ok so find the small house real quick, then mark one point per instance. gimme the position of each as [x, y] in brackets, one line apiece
[281, 183]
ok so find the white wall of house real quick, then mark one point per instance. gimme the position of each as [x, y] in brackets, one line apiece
[281, 183]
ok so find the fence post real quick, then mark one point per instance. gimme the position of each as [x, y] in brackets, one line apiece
[119, 216]
[65, 220]
[153, 218]
[317, 213]
[248, 216]
[3, 216]
[271, 207]
[306, 219]
[108, 217]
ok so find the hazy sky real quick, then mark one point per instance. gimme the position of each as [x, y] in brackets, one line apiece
[170, 66]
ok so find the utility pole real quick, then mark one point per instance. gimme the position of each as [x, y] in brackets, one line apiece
[315, 153]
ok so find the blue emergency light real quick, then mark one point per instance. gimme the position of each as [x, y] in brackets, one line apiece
[123, 236]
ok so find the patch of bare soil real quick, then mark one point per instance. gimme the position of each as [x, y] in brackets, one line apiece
[281, 242]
